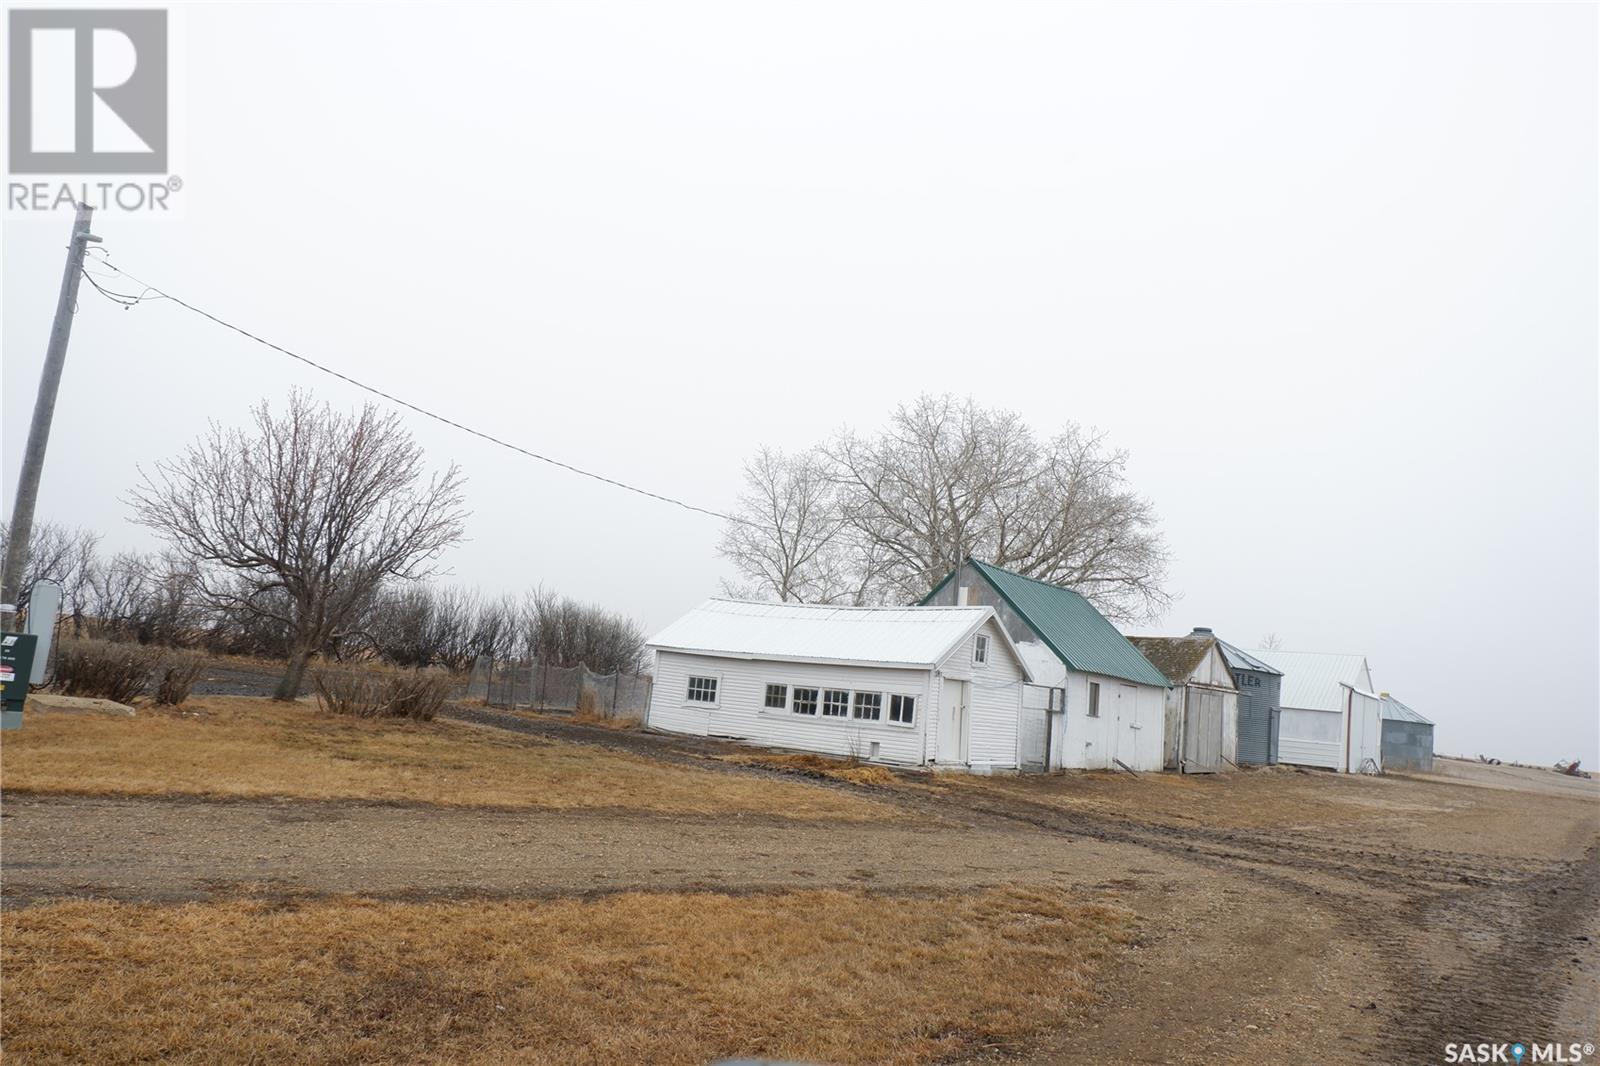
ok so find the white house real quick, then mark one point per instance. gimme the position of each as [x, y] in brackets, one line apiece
[1202, 713]
[1095, 702]
[911, 686]
[1331, 716]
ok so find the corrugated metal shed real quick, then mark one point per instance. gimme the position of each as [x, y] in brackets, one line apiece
[1395, 711]
[898, 636]
[1079, 635]
[1239, 659]
[1311, 679]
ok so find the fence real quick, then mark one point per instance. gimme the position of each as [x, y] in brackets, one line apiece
[543, 687]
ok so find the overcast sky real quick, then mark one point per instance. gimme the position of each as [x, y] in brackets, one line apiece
[1328, 272]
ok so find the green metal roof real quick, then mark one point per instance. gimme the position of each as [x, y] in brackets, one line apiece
[1068, 625]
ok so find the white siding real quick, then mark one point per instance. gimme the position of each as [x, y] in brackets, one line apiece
[1366, 731]
[994, 700]
[742, 690]
[1311, 738]
[1132, 733]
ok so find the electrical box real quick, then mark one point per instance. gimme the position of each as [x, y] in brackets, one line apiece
[16, 665]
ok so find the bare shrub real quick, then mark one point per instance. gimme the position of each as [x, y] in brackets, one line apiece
[588, 702]
[377, 693]
[102, 670]
[178, 676]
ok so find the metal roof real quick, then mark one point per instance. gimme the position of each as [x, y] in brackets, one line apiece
[1311, 679]
[1066, 622]
[1395, 711]
[1239, 659]
[897, 636]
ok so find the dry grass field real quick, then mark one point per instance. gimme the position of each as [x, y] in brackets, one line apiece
[822, 976]
[244, 747]
[243, 881]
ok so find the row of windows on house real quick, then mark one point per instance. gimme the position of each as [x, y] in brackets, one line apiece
[821, 702]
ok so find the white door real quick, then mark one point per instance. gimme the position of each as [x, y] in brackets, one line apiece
[953, 721]
[1125, 738]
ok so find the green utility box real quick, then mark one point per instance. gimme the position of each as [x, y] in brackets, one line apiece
[16, 666]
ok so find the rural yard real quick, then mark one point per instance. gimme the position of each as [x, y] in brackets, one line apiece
[243, 879]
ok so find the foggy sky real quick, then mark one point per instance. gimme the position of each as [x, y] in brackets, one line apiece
[1328, 272]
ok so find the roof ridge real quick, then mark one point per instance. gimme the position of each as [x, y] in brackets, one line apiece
[847, 606]
[1025, 577]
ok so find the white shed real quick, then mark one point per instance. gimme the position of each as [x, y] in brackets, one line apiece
[1202, 725]
[1331, 716]
[910, 686]
[1097, 703]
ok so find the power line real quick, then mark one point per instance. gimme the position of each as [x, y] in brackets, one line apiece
[128, 300]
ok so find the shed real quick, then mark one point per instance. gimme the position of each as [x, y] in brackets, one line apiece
[1095, 702]
[1330, 716]
[910, 686]
[1407, 737]
[1201, 731]
[1260, 688]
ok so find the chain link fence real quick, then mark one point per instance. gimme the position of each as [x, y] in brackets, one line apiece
[541, 686]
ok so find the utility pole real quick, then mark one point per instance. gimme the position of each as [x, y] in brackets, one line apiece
[44, 409]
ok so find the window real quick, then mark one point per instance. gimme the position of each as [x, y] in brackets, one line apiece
[1094, 699]
[902, 709]
[868, 706]
[835, 703]
[702, 690]
[805, 701]
[980, 649]
[777, 697]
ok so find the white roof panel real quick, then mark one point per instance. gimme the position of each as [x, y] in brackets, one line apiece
[1311, 679]
[900, 636]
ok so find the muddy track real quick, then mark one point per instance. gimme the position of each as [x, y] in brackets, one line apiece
[1470, 951]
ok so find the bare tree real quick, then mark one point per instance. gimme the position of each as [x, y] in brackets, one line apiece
[56, 553]
[787, 539]
[947, 479]
[1272, 642]
[302, 517]
[564, 632]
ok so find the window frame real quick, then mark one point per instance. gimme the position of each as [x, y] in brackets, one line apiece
[716, 690]
[980, 649]
[906, 723]
[855, 705]
[815, 701]
[766, 698]
[1093, 710]
[809, 700]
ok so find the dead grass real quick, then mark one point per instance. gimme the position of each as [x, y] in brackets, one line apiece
[618, 722]
[821, 766]
[237, 746]
[820, 976]
[1245, 799]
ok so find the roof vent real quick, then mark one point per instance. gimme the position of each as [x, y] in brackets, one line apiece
[1202, 631]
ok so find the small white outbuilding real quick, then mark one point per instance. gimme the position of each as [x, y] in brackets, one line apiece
[910, 686]
[1331, 717]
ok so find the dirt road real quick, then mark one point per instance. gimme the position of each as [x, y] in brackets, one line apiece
[1284, 916]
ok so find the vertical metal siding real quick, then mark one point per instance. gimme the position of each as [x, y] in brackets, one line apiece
[1407, 746]
[1258, 706]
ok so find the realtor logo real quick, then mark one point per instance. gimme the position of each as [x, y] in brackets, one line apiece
[88, 91]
